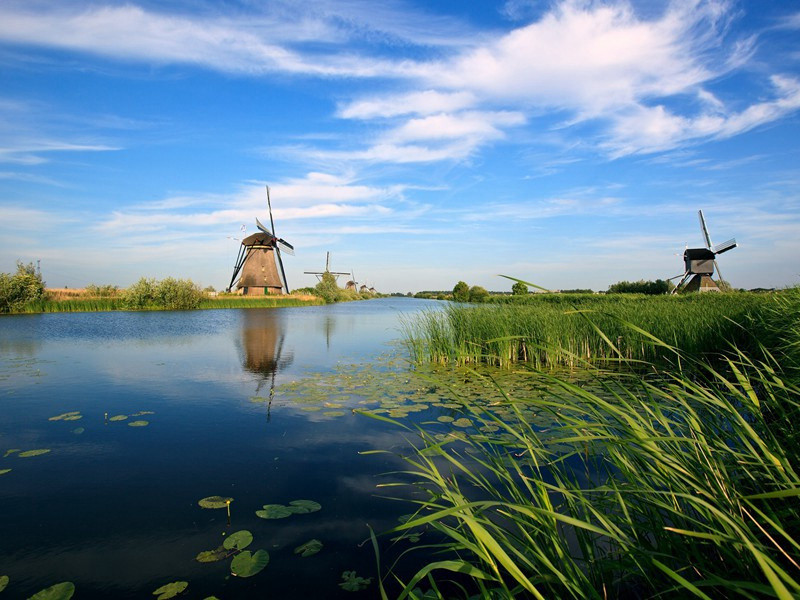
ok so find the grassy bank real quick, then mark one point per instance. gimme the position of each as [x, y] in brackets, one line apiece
[78, 303]
[560, 329]
[629, 484]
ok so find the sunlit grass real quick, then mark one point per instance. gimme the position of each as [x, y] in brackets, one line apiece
[677, 480]
[554, 330]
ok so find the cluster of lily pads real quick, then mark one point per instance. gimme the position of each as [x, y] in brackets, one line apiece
[390, 389]
[134, 423]
[22, 454]
[245, 563]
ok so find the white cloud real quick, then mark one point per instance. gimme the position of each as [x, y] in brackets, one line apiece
[643, 129]
[425, 102]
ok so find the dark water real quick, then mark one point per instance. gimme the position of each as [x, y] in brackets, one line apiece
[113, 508]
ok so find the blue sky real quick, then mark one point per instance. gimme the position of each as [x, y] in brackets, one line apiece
[569, 143]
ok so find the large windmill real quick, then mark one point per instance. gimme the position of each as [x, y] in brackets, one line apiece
[701, 262]
[259, 261]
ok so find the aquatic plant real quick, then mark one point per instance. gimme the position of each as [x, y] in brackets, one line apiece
[59, 591]
[679, 483]
[353, 583]
[558, 330]
[170, 590]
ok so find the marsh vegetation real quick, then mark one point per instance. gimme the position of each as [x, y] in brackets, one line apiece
[667, 468]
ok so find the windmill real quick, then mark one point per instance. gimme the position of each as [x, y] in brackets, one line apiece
[319, 274]
[701, 263]
[352, 284]
[259, 261]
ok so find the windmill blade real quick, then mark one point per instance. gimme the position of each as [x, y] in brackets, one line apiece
[285, 246]
[725, 246]
[283, 273]
[706, 237]
[262, 228]
[269, 206]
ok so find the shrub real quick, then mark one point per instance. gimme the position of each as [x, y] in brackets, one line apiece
[519, 289]
[478, 294]
[327, 288]
[141, 294]
[22, 288]
[102, 291]
[178, 294]
[461, 292]
[170, 293]
[652, 288]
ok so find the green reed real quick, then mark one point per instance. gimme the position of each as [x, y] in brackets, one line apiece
[555, 329]
[258, 302]
[91, 304]
[681, 485]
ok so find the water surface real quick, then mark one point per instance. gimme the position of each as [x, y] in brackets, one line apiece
[113, 508]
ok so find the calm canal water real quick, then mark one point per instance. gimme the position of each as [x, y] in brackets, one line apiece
[113, 508]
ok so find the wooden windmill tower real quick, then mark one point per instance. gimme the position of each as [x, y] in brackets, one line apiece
[259, 261]
[701, 262]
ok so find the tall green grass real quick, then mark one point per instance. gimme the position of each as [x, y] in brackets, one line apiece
[74, 305]
[681, 485]
[553, 329]
[258, 302]
[99, 304]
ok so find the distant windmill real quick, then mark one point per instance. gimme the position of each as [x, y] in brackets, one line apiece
[319, 274]
[352, 284]
[257, 260]
[701, 262]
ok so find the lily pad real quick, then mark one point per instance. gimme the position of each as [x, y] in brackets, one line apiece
[3, 582]
[171, 590]
[10, 452]
[462, 422]
[4, 471]
[274, 511]
[334, 413]
[239, 540]
[214, 555]
[138, 423]
[302, 507]
[310, 548]
[445, 419]
[78, 430]
[214, 502]
[353, 583]
[118, 418]
[67, 416]
[247, 564]
[37, 452]
[142, 413]
[59, 591]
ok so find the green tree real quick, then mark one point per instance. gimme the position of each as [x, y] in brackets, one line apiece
[519, 289]
[327, 288]
[478, 294]
[652, 288]
[461, 292]
[23, 287]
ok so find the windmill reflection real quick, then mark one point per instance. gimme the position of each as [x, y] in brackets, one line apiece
[262, 342]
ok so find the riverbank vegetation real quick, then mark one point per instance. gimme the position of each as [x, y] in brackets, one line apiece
[147, 294]
[548, 330]
[669, 472]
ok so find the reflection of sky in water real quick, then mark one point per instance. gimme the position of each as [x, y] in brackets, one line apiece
[114, 510]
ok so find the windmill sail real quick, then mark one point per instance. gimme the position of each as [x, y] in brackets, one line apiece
[703, 227]
[725, 246]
